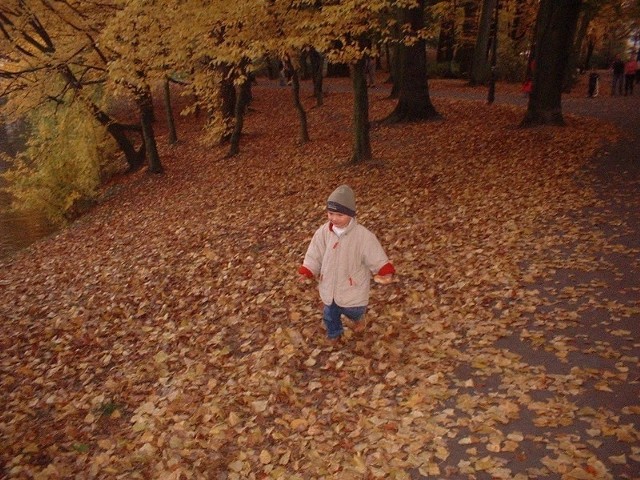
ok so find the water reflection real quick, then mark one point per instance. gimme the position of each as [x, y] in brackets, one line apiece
[20, 229]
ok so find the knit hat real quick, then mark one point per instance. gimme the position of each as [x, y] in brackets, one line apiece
[342, 200]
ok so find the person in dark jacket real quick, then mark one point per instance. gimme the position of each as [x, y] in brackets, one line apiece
[617, 82]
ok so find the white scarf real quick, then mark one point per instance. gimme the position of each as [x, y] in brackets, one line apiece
[339, 231]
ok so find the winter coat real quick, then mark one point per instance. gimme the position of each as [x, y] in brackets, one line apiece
[344, 264]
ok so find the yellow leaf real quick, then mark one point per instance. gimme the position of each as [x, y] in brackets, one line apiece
[160, 357]
[359, 464]
[265, 457]
[299, 424]
[259, 406]
[516, 436]
[619, 459]
[603, 387]
[442, 453]
[233, 419]
[139, 426]
[30, 448]
[284, 459]
[105, 444]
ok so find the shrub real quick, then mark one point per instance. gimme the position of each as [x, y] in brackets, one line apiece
[512, 63]
[66, 158]
[443, 70]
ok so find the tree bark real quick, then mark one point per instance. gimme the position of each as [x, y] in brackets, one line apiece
[414, 102]
[242, 101]
[361, 127]
[145, 105]
[228, 97]
[519, 25]
[587, 58]
[173, 137]
[464, 52]
[571, 74]
[116, 130]
[480, 66]
[316, 74]
[446, 40]
[303, 136]
[395, 71]
[555, 29]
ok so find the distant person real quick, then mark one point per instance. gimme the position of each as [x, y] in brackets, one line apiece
[527, 85]
[617, 81]
[343, 255]
[630, 75]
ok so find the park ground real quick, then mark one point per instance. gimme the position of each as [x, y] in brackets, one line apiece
[164, 334]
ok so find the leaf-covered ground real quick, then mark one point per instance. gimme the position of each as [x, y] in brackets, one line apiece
[164, 334]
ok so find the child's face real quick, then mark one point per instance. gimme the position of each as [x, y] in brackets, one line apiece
[340, 220]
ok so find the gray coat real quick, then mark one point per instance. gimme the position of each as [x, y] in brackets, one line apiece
[344, 265]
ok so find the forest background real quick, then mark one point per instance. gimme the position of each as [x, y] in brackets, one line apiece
[82, 75]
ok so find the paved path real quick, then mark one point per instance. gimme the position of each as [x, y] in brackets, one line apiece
[600, 346]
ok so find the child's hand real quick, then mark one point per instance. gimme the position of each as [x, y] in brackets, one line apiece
[384, 279]
[303, 279]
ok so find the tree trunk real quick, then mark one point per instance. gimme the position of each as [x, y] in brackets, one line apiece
[393, 59]
[303, 136]
[303, 67]
[228, 99]
[134, 158]
[173, 137]
[317, 62]
[446, 41]
[519, 24]
[145, 105]
[361, 139]
[395, 71]
[242, 101]
[414, 102]
[587, 59]
[464, 52]
[572, 73]
[116, 130]
[480, 66]
[555, 28]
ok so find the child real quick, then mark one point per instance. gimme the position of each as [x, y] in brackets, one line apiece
[343, 255]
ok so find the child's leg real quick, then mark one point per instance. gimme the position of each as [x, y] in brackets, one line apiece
[331, 316]
[356, 315]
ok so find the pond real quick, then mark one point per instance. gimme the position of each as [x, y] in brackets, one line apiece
[19, 230]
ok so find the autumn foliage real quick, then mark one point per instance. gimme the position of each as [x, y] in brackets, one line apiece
[164, 334]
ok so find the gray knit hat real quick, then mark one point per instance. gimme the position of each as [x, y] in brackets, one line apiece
[342, 200]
